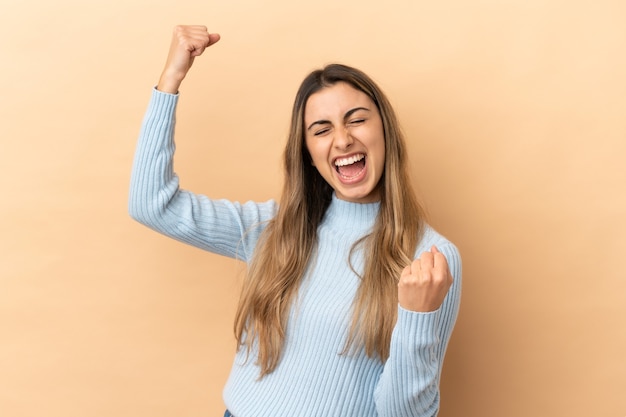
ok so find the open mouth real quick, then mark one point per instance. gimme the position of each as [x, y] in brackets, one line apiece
[350, 167]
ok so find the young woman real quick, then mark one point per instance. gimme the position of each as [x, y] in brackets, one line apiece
[350, 298]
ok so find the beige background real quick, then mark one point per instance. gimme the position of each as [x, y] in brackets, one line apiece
[516, 115]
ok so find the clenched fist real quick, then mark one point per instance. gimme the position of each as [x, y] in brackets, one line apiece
[425, 282]
[187, 43]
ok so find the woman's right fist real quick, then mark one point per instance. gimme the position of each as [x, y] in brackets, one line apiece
[187, 43]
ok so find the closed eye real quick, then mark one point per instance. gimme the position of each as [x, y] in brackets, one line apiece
[321, 132]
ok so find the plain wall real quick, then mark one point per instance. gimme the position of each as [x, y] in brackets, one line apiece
[515, 112]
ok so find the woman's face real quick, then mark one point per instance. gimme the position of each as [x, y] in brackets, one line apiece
[345, 138]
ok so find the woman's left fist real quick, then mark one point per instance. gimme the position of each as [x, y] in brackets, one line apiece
[425, 282]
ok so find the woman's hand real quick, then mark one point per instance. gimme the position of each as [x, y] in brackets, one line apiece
[425, 282]
[188, 42]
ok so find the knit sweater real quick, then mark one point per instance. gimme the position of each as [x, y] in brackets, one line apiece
[314, 377]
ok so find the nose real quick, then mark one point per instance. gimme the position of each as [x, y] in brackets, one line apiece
[343, 139]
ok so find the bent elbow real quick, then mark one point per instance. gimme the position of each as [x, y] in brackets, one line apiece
[137, 213]
[142, 211]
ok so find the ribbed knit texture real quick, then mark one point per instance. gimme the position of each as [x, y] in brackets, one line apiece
[314, 377]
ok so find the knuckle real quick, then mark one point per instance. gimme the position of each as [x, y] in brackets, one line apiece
[408, 281]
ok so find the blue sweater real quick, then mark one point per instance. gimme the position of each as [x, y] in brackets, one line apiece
[313, 377]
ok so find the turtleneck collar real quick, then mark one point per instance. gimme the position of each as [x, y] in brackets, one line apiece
[346, 215]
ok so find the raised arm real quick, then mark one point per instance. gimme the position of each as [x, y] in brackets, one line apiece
[155, 198]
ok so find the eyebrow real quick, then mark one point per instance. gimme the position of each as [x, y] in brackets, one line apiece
[346, 116]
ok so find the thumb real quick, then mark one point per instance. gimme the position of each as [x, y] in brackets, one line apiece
[213, 38]
[197, 51]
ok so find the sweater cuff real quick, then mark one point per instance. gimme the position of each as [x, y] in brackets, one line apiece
[417, 330]
[161, 109]
[159, 92]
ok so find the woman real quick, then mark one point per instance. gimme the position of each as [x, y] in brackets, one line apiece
[350, 298]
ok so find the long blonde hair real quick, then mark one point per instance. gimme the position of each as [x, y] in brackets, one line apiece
[285, 247]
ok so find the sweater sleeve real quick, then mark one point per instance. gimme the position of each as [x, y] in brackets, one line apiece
[409, 384]
[156, 200]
